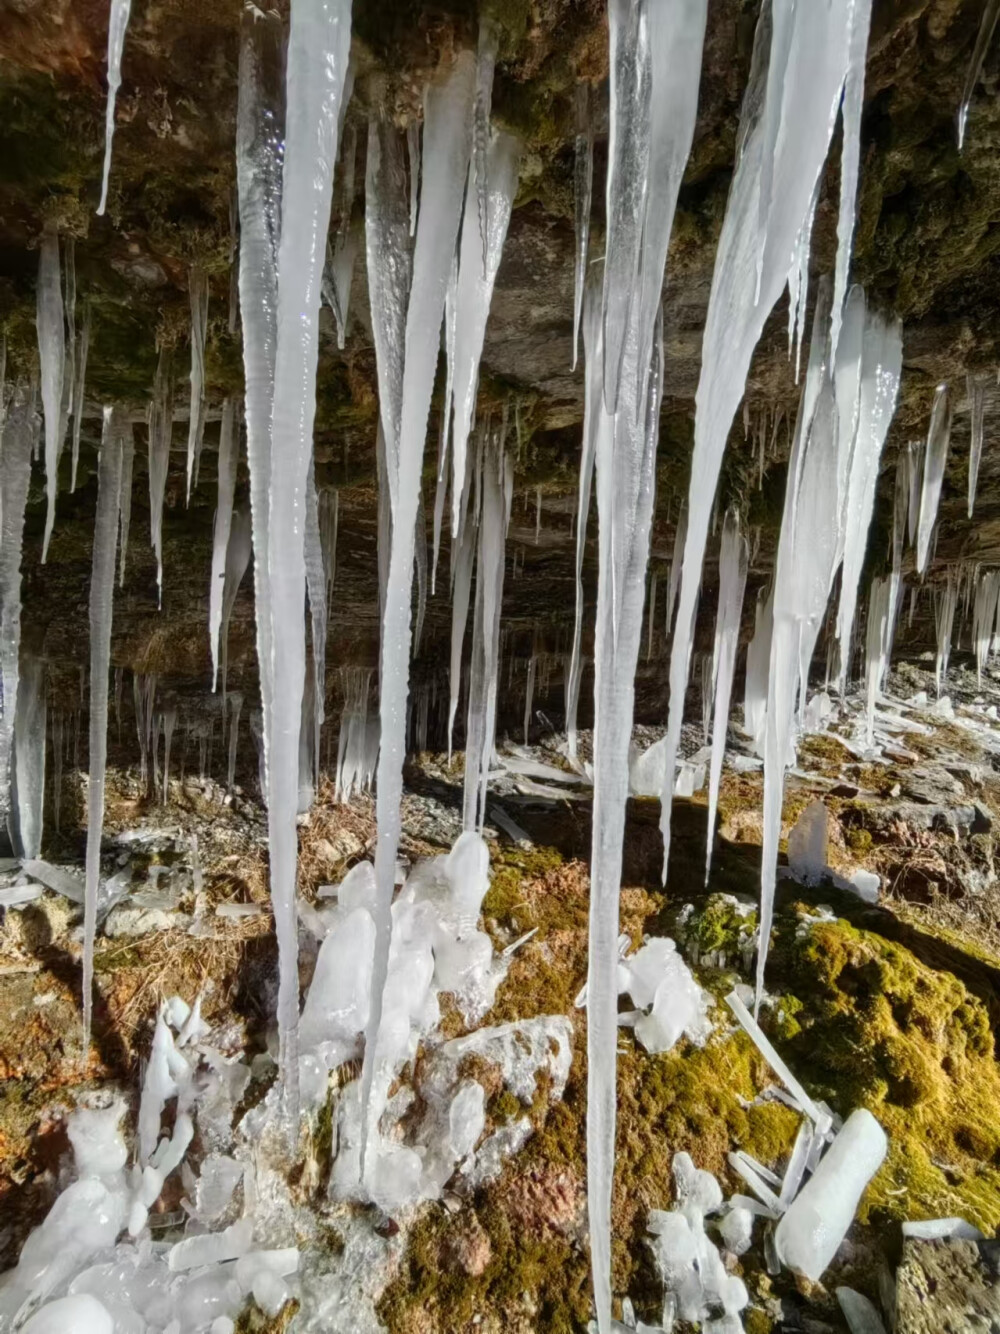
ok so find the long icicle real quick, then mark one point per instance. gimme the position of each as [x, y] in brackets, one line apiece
[222, 525]
[198, 294]
[583, 186]
[52, 360]
[318, 49]
[125, 503]
[102, 589]
[78, 391]
[117, 24]
[15, 477]
[733, 560]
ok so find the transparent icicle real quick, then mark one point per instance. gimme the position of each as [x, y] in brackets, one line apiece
[877, 631]
[486, 59]
[583, 185]
[198, 297]
[52, 361]
[221, 528]
[237, 559]
[757, 669]
[318, 49]
[441, 490]
[945, 605]
[69, 364]
[169, 721]
[78, 391]
[125, 502]
[102, 589]
[15, 476]
[316, 590]
[329, 519]
[421, 573]
[854, 93]
[446, 150]
[650, 615]
[733, 560]
[461, 595]
[160, 429]
[117, 24]
[529, 694]
[413, 159]
[235, 709]
[676, 565]
[752, 266]
[977, 392]
[258, 176]
[915, 472]
[475, 292]
[983, 38]
[28, 768]
[935, 459]
[338, 278]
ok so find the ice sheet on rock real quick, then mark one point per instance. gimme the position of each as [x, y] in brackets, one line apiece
[198, 295]
[221, 528]
[102, 587]
[447, 122]
[160, 425]
[50, 324]
[733, 561]
[117, 25]
[817, 1220]
[28, 765]
[583, 183]
[935, 459]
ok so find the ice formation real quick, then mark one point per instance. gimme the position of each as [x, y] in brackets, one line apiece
[198, 295]
[670, 1002]
[117, 24]
[237, 560]
[102, 588]
[160, 425]
[935, 458]
[446, 152]
[125, 506]
[976, 394]
[329, 518]
[357, 748]
[882, 602]
[318, 48]
[991, 13]
[221, 528]
[28, 765]
[757, 669]
[807, 845]
[945, 606]
[318, 595]
[676, 565]
[802, 57]
[79, 385]
[15, 477]
[733, 560]
[52, 361]
[583, 183]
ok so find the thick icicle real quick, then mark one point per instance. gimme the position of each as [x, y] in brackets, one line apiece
[757, 669]
[983, 38]
[788, 116]
[125, 503]
[52, 360]
[102, 589]
[220, 531]
[316, 589]
[583, 185]
[160, 428]
[447, 146]
[258, 176]
[198, 295]
[15, 476]
[850, 156]
[117, 24]
[935, 459]
[475, 292]
[318, 49]
[733, 561]
[78, 391]
[977, 392]
[28, 768]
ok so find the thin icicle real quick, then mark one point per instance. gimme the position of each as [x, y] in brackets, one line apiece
[413, 158]
[52, 360]
[125, 500]
[329, 519]
[316, 589]
[69, 364]
[102, 588]
[877, 637]
[220, 531]
[198, 295]
[78, 391]
[977, 393]
[160, 430]
[733, 560]
[28, 767]
[237, 559]
[529, 694]
[460, 598]
[117, 24]
[15, 476]
[583, 185]
[168, 720]
[945, 605]
[235, 709]
[441, 491]
[676, 565]
[486, 58]
[651, 615]
[935, 459]
[447, 146]
[420, 569]
[318, 49]
[985, 35]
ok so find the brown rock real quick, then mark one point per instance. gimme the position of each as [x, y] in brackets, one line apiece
[468, 1250]
[948, 1287]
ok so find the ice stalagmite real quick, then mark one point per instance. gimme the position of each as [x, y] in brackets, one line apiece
[935, 459]
[991, 14]
[125, 502]
[475, 291]
[52, 360]
[117, 23]
[446, 150]
[102, 588]
[28, 768]
[160, 427]
[788, 116]
[317, 593]
[198, 294]
[625, 474]
[583, 184]
[733, 560]
[977, 393]
[15, 476]
[318, 48]
[594, 420]
[220, 531]
[258, 175]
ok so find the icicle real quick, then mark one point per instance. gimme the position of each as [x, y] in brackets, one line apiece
[985, 35]
[338, 278]
[786, 124]
[258, 176]
[459, 617]
[329, 517]
[232, 324]
[757, 669]
[529, 694]
[316, 589]
[28, 767]
[984, 618]
[538, 513]
[169, 721]
[102, 587]
[58, 758]
[976, 391]
[945, 603]
[237, 560]
[52, 359]
[235, 709]
[15, 476]
[117, 24]
[78, 391]
[69, 360]
[125, 502]
[651, 618]
[877, 634]
[318, 49]
[733, 560]
[583, 184]
[420, 565]
[198, 293]
[854, 90]
[486, 58]
[441, 491]
[475, 291]
[413, 157]
[448, 118]
[220, 532]
[676, 564]
[935, 459]
[160, 429]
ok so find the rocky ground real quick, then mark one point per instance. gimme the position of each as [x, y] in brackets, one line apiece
[890, 1006]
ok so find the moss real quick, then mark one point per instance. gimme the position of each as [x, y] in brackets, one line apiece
[720, 927]
[859, 841]
[254, 1321]
[756, 1321]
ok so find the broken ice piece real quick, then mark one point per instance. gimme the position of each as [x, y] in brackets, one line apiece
[820, 1118]
[695, 1187]
[736, 1230]
[756, 1183]
[860, 1314]
[934, 1229]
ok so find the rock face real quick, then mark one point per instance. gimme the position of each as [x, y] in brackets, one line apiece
[948, 1287]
